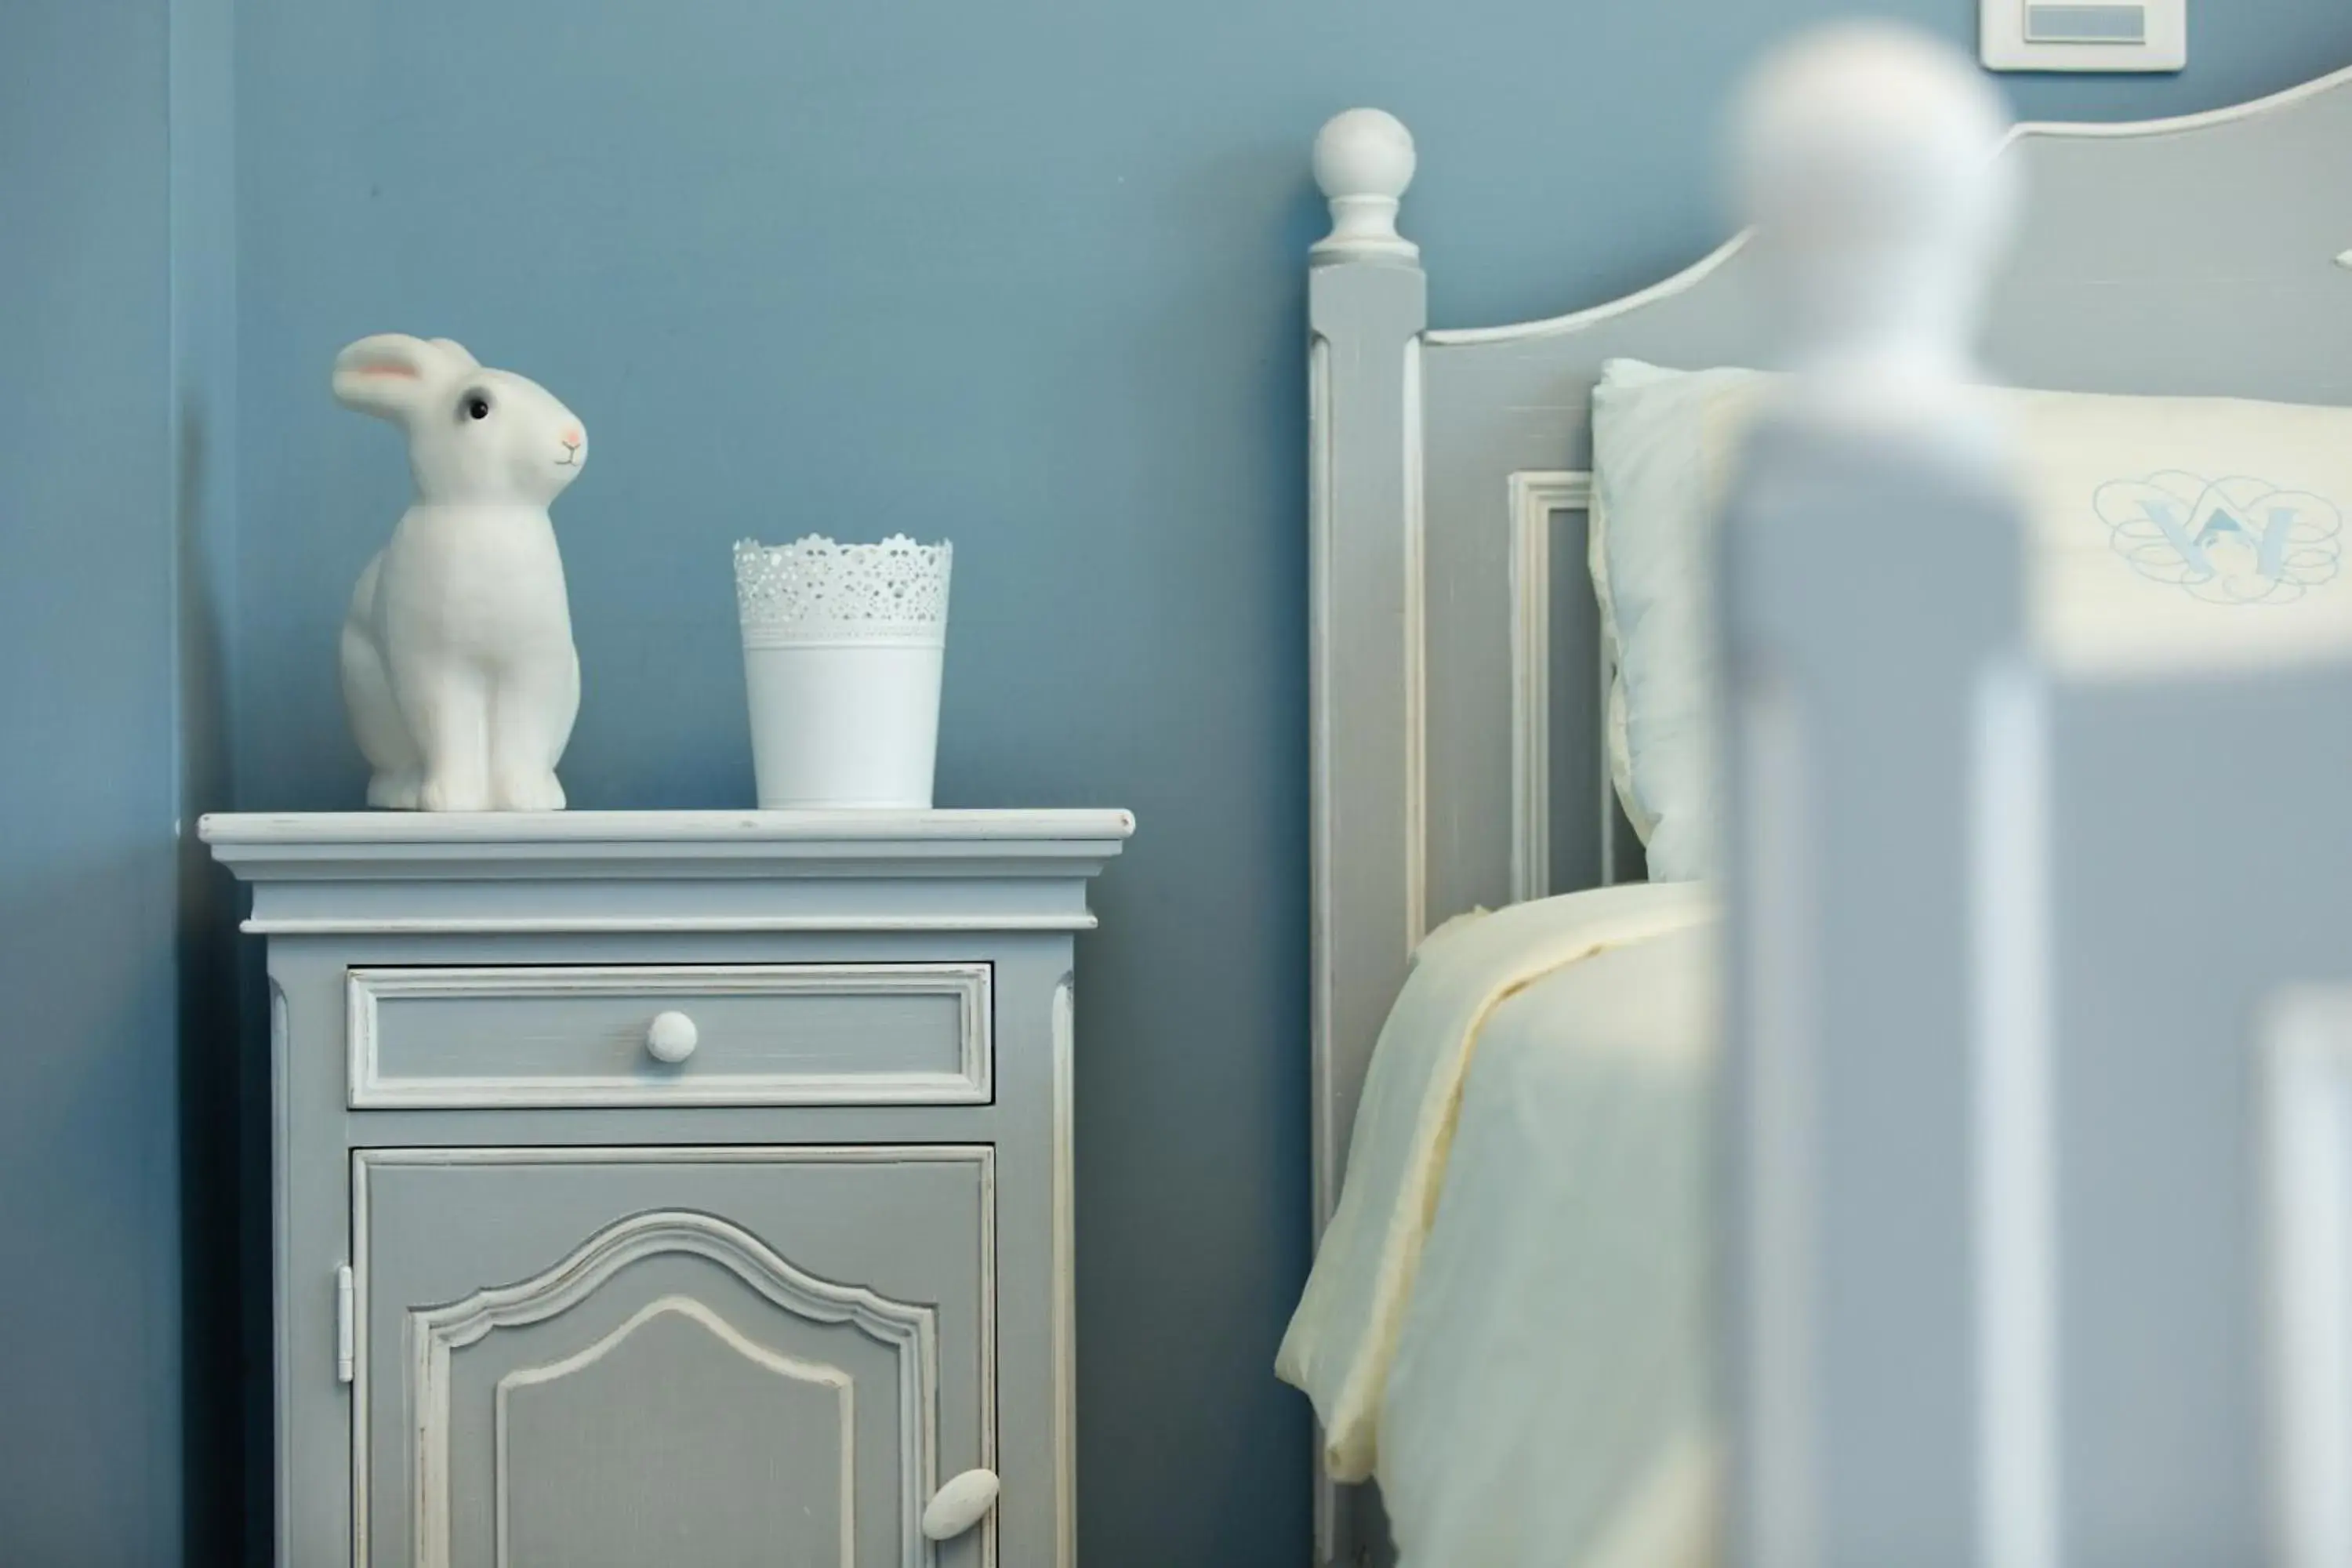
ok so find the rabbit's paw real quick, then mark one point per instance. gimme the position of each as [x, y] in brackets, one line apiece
[394, 791]
[527, 791]
[444, 794]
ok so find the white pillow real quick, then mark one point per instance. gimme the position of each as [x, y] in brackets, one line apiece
[2162, 533]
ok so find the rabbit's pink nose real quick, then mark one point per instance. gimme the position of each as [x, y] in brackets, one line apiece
[572, 438]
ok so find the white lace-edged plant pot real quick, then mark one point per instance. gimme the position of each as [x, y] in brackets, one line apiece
[842, 648]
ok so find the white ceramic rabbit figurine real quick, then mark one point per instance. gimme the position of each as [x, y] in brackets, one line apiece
[457, 663]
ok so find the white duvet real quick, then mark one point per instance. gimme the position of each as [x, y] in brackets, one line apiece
[1505, 1322]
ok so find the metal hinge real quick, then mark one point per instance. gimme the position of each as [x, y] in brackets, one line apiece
[344, 1328]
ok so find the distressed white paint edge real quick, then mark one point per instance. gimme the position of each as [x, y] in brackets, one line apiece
[288, 1293]
[1707, 265]
[1530, 641]
[1416, 660]
[1592, 316]
[388, 833]
[358, 1180]
[685, 1154]
[968, 984]
[2205, 120]
[1065, 1317]
[362, 1031]
[987, 1336]
[1609, 803]
[750, 1091]
[2014, 1160]
[820, 1373]
[1318, 754]
[1321, 993]
[2306, 1138]
[656, 926]
[1321, 785]
[983, 1155]
[1535, 496]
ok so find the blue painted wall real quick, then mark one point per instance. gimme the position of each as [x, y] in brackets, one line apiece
[1028, 274]
[91, 1318]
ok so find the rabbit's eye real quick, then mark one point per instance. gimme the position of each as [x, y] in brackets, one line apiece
[477, 408]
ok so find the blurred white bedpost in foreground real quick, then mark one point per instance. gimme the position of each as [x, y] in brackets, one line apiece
[2039, 1120]
[1871, 572]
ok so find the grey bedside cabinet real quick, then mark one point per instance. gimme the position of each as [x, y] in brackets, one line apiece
[672, 1188]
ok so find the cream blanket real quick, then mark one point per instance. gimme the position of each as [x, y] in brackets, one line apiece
[1505, 1321]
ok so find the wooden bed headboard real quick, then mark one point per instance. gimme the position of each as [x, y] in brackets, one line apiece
[1458, 755]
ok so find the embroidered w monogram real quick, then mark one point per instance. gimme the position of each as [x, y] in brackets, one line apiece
[2235, 540]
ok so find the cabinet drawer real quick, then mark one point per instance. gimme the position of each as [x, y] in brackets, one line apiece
[897, 1034]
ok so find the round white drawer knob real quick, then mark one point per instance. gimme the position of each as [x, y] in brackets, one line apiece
[961, 1504]
[672, 1038]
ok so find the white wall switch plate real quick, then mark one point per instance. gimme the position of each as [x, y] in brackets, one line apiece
[2085, 35]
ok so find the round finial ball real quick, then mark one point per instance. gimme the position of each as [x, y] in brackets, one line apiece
[1364, 152]
[1872, 133]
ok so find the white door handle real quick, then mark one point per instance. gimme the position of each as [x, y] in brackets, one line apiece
[671, 1037]
[961, 1504]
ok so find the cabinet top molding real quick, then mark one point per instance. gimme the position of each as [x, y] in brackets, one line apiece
[235, 835]
[714, 870]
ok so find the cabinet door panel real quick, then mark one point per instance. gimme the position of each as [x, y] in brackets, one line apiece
[693, 1356]
[776, 1464]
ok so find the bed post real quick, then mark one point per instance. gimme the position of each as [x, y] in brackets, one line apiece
[1366, 305]
[1882, 1397]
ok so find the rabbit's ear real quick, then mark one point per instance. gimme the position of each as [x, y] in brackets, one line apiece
[457, 353]
[387, 375]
